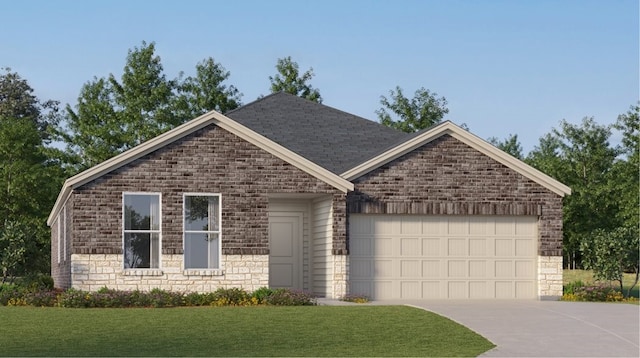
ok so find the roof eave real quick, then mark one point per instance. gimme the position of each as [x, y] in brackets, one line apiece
[184, 130]
[467, 138]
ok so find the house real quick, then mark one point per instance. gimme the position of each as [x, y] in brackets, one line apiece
[284, 192]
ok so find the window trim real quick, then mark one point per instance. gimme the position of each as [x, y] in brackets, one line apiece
[59, 219]
[159, 231]
[202, 271]
[64, 233]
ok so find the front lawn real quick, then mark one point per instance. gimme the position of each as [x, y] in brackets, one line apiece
[234, 331]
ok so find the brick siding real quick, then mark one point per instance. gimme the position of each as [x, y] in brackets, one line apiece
[447, 177]
[210, 160]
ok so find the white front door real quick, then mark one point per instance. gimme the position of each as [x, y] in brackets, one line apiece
[285, 250]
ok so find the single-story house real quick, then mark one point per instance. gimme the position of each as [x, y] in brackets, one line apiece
[284, 192]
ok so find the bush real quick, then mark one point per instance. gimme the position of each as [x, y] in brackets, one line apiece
[284, 297]
[355, 298]
[571, 287]
[13, 295]
[594, 293]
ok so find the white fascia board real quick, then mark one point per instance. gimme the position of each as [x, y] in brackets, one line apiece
[471, 140]
[184, 130]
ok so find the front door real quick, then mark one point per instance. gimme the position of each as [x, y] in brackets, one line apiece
[285, 250]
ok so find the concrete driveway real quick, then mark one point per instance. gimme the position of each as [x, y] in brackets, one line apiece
[546, 328]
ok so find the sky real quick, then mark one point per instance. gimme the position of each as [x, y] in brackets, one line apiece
[504, 66]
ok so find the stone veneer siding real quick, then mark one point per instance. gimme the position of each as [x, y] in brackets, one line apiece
[447, 177]
[550, 277]
[92, 272]
[210, 160]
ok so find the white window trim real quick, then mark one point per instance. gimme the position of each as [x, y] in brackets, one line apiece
[154, 271]
[59, 235]
[199, 271]
[64, 233]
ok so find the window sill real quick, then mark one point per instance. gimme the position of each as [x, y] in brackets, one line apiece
[203, 272]
[142, 272]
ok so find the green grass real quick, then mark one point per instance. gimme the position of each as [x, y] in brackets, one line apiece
[235, 331]
[586, 276]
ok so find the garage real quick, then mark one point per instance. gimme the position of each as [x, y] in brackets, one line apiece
[443, 257]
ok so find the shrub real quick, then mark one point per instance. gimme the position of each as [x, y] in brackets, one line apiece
[284, 297]
[355, 298]
[593, 293]
[571, 287]
[262, 294]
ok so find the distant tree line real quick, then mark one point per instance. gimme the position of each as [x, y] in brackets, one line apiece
[113, 114]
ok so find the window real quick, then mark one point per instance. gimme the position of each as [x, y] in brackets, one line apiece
[141, 234]
[202, 231]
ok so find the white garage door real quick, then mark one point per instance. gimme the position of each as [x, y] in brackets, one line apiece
[417, 257]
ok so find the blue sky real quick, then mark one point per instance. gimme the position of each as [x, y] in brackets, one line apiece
[505, 66]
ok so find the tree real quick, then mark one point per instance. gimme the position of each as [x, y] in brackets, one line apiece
[29, 177]
[610, 253]
[289, 80]
[114, 115]
[510, 145]
[18, 101]
[422, 111]
[207, 91]
[581, 157]
[626, 175]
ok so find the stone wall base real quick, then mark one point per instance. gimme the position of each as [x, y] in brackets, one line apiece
[549, 277]
[92, 272]
[340, 276]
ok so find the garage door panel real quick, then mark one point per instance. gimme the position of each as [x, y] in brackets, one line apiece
[472, 257]
[410, 247]
[457, 289]
[361, 268]
[431, 268]
[478, 269]
[431, 247]
[383, 268]
[457, 269]
[410, 269]
[503, 247]
[478, 247]
[383, 247]
[457, 247]
[478, 289]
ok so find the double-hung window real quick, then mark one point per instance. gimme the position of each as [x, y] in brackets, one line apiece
[141, 230]
[202, 231]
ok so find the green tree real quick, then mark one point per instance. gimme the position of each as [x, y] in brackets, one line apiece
[626, 170]
[289, 80]
[581, 157]
[113, 115]
[29, 177]
[18, 101]
[610, 253]
[207, 91]
[422, 111]
[509, 145]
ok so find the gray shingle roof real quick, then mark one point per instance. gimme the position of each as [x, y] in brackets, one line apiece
[331, 138]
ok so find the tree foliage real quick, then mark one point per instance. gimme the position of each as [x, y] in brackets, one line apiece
[610, 253]
[422, 111]
[113, 115]
[29, 177]
[289, 80]
[509, 145]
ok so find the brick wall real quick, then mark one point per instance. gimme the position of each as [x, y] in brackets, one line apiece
[447, 177]
[210, 160]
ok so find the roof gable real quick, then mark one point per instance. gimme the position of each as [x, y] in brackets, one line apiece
[331, 138]
[419, 139]
[211, 118]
